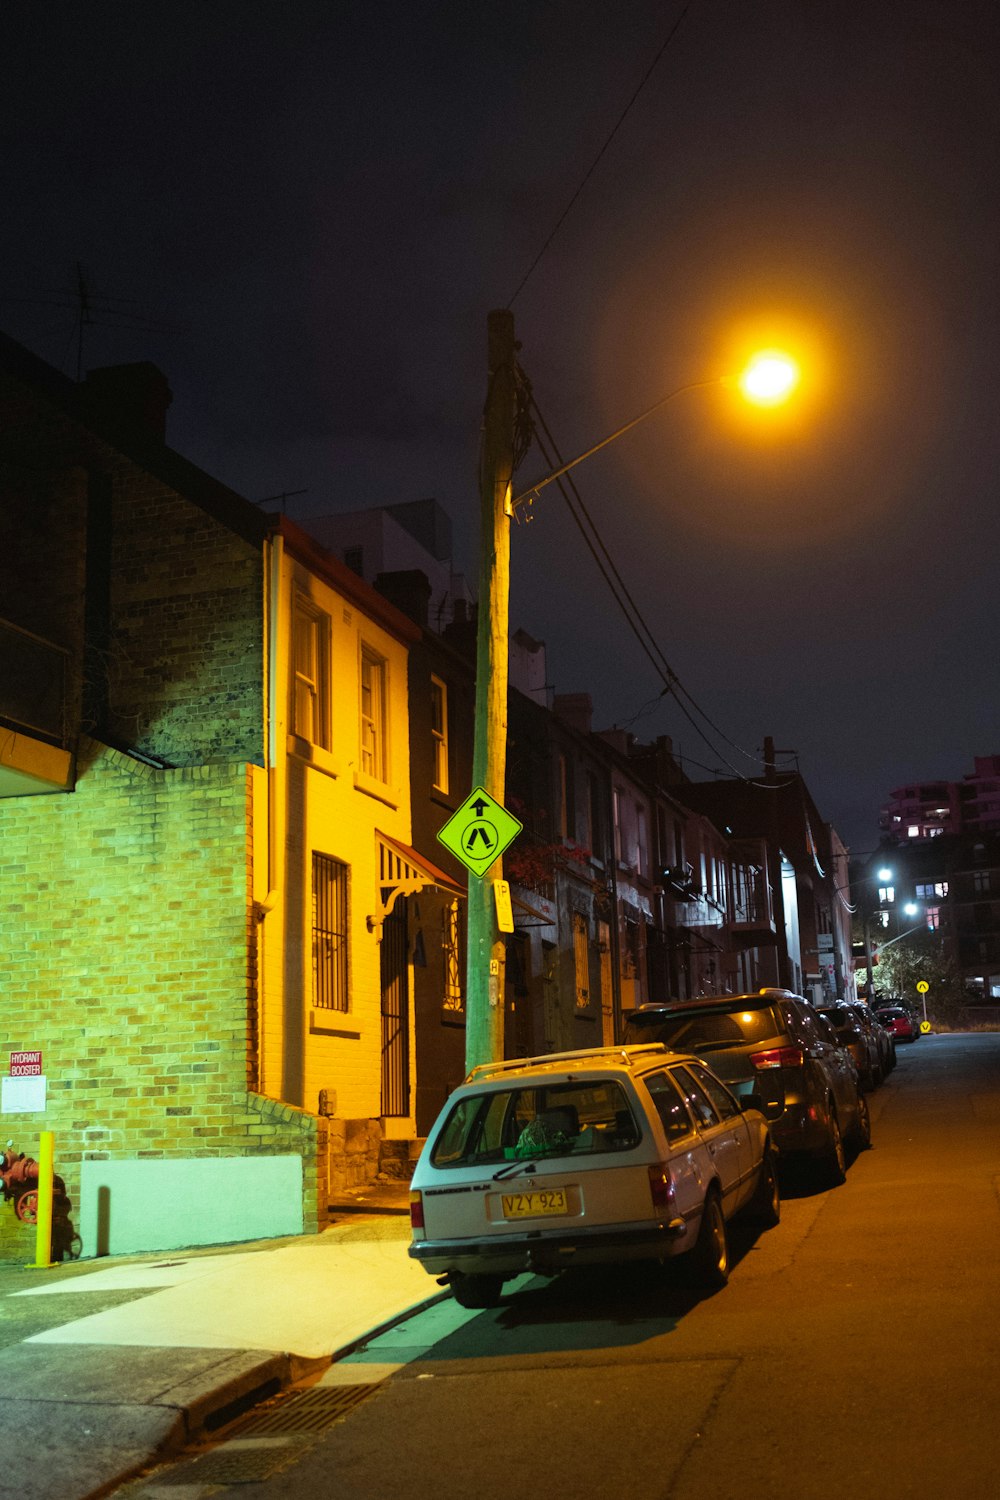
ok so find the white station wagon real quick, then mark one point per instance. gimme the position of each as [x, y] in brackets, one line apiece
[579, 1158]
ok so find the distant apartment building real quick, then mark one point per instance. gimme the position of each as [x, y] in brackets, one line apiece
[928, 809]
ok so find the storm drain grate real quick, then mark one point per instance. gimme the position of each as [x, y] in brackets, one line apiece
[309, 1411]
[237, 1465]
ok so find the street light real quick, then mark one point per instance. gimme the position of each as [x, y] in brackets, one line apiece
[884, 873]
[485, 949]
[768, 379]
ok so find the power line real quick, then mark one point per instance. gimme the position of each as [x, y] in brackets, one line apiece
[626, 603]
[594, 164]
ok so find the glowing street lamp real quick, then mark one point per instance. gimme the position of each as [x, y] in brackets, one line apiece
[770, 378]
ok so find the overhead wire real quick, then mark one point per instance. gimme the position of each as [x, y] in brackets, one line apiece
[597, 159]
[626, 602]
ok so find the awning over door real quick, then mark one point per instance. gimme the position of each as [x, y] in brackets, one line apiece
[402, 871]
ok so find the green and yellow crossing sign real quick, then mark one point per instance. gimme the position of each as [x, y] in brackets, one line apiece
[479, 831]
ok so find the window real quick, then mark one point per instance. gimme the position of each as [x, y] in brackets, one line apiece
[329, 933]
[567, 799]
[934, 918]
[439, 733]
[552, 1119]
[697, 1100]
[595, 823]
[669, 1106]
[886, 894]
[720, 1096]
[310, 654]
[581, 960]
[373, 749]
[980, 880]
[642, 840]
[451, 939]
[928, 892]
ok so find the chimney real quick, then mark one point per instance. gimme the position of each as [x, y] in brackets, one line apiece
[133, 398]
[409, 589]
[575, 709]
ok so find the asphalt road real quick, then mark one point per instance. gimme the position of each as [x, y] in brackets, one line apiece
[853, 1353]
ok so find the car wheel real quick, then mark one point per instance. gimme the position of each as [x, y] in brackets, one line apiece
[476, 1290]
[832, 1161]
[765, 1205]
[862, 1132]
[708, 1262]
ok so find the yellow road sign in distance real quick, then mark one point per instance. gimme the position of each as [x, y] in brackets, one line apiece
[479, 831]
[925, 1027]
[922, 986]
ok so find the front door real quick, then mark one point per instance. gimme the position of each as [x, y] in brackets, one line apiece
[395, 1013]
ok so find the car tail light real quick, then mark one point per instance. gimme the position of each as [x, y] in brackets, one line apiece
[779, 1057]
[416, 1210]
[661, 1188]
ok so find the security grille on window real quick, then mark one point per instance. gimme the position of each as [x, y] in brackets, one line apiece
[581, 960]
[439, 733]
[329, 933]
[310, 708]
[373, 752]
[451, 932]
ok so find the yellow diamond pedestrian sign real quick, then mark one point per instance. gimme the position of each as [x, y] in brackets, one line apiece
[479, 831]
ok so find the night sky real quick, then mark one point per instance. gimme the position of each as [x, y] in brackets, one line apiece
[303, 212]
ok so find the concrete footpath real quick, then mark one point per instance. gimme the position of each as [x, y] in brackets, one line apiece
[106, 1365]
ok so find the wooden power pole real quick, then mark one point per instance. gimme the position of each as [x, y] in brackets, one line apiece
[484, 993]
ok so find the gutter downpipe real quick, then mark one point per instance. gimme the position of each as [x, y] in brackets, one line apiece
[274, 554]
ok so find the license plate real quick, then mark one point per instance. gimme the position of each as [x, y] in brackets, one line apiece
[533, 1205]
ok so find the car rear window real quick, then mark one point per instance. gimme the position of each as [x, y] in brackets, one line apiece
[691, 1031]
[526, 1122]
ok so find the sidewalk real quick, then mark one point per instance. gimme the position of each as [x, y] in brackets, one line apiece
[107, 1364]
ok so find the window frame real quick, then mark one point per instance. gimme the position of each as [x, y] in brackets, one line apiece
[314, 682]
[374, 756]
[440, 780]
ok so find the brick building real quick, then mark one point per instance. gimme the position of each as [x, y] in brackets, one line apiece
[204, 831]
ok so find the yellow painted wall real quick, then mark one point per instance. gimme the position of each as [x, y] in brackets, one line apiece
[320, 800]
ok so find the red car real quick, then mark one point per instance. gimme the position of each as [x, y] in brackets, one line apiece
[899, 1022]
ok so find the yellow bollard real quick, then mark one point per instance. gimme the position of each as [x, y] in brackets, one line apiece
[43, 1223]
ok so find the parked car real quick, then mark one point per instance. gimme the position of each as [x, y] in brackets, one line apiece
[854, 1033]
[899, 1022]
[583, 1158]
[774, 1046]
[884, 1040]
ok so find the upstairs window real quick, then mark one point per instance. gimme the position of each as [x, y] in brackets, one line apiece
[374, 760]
[310, 672]
[439, 734]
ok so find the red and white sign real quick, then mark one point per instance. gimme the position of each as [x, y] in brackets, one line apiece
[25, 1064]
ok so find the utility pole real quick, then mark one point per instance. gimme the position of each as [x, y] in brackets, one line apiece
[485, 959]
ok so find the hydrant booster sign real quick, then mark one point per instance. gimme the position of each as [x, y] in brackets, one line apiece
[25, 1064]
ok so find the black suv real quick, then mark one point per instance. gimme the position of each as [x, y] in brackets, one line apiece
[774, 1045]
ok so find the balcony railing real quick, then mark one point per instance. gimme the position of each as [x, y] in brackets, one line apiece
[33, 683]
[752, 898]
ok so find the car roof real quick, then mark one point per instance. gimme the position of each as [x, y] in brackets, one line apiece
[625, 1058]
[755, 999]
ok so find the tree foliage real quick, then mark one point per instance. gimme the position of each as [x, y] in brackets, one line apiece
[919, 956]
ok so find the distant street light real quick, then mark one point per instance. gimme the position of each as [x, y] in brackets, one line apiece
[769, 379]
